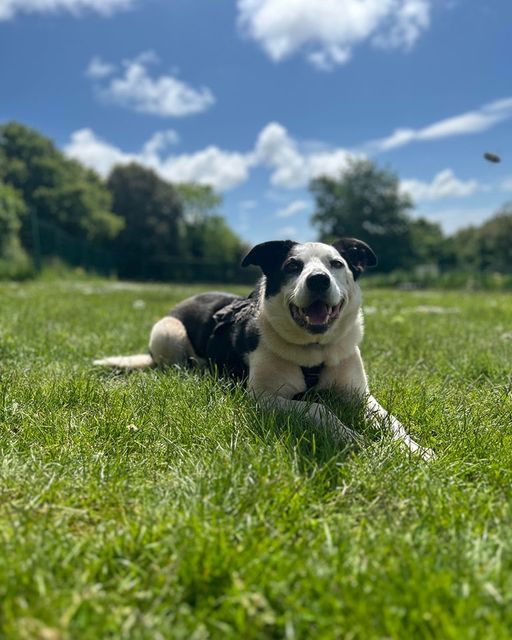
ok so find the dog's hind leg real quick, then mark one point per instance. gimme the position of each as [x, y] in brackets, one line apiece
[168, 345]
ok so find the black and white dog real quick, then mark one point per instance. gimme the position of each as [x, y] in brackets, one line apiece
[301, 328]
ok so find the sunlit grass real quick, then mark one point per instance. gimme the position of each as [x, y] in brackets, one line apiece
[162, 505]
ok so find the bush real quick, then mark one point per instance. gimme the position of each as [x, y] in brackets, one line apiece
[468, 280]
[15, 264]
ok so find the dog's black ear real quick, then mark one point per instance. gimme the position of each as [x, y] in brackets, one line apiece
[269, 256]
[357, 254]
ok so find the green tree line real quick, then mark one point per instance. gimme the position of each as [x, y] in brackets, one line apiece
[366, 202]
[140, 226]
[51, 206]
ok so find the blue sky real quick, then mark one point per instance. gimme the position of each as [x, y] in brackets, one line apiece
[256, 97]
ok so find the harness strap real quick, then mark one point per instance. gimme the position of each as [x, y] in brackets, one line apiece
[311, 375]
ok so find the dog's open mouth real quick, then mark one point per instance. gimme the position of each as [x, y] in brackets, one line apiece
[317, 317]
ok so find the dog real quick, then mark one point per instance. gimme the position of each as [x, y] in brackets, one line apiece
[300, 329]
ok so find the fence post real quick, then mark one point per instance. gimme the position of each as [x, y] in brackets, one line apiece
[36, 239]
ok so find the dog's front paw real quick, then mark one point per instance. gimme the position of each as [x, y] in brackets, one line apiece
[424, 453]
[324, 417]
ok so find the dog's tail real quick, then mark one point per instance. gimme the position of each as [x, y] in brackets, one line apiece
[139, 361]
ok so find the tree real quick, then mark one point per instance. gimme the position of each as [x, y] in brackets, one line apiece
[365, 202]
[14, 261]
[59, 190]
[199, 202]
[429, 245]
[154, 232]
[488, 247]
[209, 238]
[219, 242]
[495, 245]
[171, 231]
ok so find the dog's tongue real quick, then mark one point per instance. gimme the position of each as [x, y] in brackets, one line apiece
[318, 312]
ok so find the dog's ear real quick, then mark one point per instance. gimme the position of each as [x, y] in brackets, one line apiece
[269, 256]
[357, 254]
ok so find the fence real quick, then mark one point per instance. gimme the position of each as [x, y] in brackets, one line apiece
[45, 240]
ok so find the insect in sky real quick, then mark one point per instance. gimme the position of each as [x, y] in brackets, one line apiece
[492, 157]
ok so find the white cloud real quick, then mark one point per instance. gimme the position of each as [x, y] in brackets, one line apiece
[457, 218]
[293, 167]
[467, 123]
[327, 30]
[292, 209]
[506, 185]
[292, 164]
[213, 166]
[9, 8]
[286, 232]
[99, 69]
[443, 185]
[160, 141]
[95, 153]
[276, 149]
[247, 205]
[398, 138]
[329, 163]
[326, 59]
[408, 20]
[220, 169]
[164, 96]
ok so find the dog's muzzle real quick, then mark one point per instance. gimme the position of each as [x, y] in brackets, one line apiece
[317, 317]
[318, 282]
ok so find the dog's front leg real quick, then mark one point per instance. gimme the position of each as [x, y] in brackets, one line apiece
[350, 377]
[274, 382]
[378, 416]
[318, 414]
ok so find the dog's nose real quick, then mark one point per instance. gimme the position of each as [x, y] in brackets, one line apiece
[318, 282]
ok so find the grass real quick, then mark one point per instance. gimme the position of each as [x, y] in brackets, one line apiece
[162, 505]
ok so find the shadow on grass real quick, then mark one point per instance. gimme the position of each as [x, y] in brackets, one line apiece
[307, 444]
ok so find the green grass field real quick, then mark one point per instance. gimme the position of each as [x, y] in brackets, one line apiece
[162, 505]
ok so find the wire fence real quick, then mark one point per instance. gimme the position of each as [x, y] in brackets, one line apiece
[45, 241]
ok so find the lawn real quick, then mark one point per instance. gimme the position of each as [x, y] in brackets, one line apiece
[162, 505]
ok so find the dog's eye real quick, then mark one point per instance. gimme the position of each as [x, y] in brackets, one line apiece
[292, 266]
[337, 264]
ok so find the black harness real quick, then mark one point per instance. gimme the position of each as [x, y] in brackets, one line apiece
[312, 375]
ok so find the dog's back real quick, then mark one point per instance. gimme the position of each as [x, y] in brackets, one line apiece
[206, 327]
[197, 314]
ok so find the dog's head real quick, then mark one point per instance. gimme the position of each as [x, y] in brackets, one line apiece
[310, 286]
